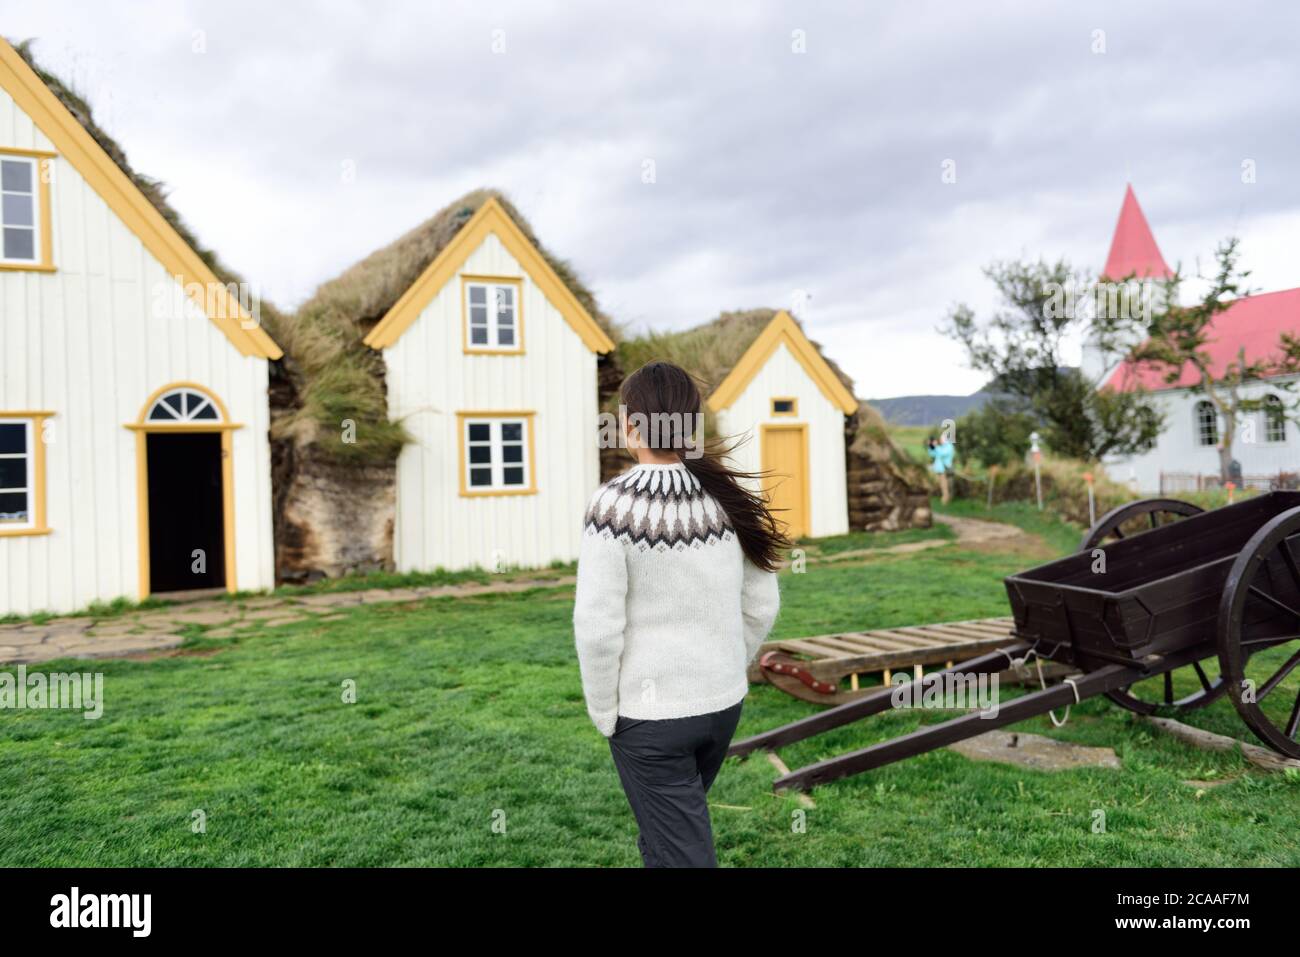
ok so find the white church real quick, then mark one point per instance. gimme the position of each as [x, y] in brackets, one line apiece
[1186, 457]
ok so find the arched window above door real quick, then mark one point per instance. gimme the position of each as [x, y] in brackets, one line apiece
[183, 405]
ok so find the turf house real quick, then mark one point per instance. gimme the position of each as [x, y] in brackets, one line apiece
[134, 456]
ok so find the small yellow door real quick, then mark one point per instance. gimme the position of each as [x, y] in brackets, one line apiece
[785, 459]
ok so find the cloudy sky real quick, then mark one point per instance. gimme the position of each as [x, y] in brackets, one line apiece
[793, 146]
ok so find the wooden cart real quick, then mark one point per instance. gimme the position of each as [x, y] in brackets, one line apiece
[1162, 590]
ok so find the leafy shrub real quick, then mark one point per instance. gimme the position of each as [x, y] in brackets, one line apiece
[995, 434]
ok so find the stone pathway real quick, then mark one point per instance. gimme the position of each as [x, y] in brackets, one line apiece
[158, 629]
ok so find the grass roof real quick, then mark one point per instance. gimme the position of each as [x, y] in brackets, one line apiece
[364, 292]
[709, 351]
[339, 376]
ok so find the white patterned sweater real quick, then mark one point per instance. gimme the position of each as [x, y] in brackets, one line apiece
[669, 611]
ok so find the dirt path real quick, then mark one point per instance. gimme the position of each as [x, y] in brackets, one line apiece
[976, 531]
[979, 535]
[972, 533]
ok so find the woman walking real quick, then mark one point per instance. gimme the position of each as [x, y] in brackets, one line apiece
[676, 591]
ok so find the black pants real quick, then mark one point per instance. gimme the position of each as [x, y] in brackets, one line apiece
[667, 767]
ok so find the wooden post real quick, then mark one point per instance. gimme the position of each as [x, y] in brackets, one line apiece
[1038, 476]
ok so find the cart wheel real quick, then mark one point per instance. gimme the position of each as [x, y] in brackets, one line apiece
[1125, 522]
[1259, 615]
[1211, 688]
[1135, 518]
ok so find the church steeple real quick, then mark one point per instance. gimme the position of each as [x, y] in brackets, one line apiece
[1133, 250]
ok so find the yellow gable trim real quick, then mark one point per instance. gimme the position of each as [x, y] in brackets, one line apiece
[77, 146]
[782, 330]
[491, 219]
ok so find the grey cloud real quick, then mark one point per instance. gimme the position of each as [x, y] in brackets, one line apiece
[775, 170]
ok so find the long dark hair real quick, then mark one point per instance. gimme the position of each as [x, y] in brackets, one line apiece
[666, 395]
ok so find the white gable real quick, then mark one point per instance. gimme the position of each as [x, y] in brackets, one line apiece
[430, 379]
[782, 376]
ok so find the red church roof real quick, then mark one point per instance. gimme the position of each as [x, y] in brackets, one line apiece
[1255, 323]
[1133, 251]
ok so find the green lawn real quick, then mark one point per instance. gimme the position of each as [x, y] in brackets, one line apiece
[469, 713]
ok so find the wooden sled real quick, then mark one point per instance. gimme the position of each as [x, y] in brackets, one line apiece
[825, 669]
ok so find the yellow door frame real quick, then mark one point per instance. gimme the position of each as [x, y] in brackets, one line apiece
[142, 429]
[802, 429]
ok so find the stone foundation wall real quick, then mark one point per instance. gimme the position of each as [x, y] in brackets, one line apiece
[331, 519]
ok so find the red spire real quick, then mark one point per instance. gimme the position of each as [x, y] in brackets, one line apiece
[1133, 251]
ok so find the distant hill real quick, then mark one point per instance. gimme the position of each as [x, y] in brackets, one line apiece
[928, 409]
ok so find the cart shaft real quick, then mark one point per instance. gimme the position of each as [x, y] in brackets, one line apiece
[875, 703]
[967, 726]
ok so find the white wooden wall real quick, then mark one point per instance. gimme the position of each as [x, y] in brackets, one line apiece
[782, 376]
[430, 379]
[89, 343]
[1177, 449]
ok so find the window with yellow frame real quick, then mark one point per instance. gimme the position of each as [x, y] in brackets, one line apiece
[22, 473]
[26, 237]
[492, 319]
[784, 406]
[497, 453]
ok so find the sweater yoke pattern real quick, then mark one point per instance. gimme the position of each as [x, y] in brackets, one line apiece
[659, 510]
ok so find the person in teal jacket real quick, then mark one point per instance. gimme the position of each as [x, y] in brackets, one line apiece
[941, 462]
